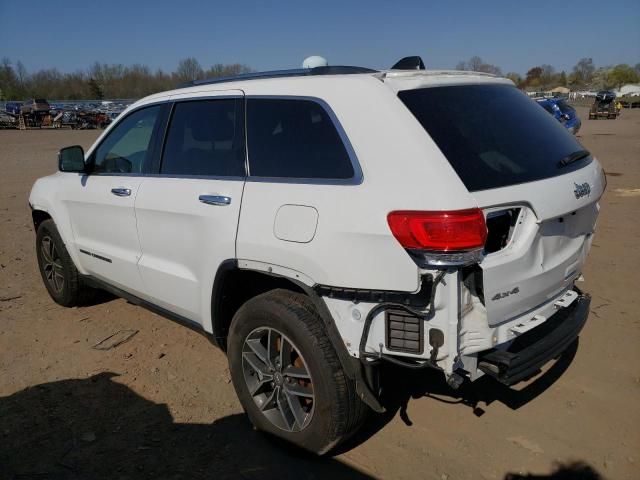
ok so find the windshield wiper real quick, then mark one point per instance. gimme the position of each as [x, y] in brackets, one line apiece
[573, 157]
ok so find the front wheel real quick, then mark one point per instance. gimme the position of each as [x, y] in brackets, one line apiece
[287, 374]
[57, 269]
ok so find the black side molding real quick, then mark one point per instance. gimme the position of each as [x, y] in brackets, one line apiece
[196, 327]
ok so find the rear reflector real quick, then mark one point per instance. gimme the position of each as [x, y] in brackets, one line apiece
[453, 231]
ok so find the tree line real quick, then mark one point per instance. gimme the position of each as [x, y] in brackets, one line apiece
[103, 80]
[583, 76]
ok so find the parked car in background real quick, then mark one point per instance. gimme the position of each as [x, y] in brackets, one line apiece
[35, 105]
[563, 112]
[605, 95]
[604, 106]
[13, 107]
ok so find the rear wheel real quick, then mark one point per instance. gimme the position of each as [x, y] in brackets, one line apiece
[287, 374]
[59, 274]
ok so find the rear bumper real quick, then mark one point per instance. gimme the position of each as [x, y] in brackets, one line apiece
[533, 349]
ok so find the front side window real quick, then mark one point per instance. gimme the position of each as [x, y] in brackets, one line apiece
[205, 137]
[294, 138]
[126, 147]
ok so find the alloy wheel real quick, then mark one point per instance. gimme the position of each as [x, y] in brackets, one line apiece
[52, 264]
[278, 379]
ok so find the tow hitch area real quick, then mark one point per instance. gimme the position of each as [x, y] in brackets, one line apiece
[539, 344]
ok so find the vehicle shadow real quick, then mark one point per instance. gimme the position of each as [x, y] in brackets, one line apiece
[400, 386]
[572, 471]
[99, 428]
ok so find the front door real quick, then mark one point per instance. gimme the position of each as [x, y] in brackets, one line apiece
[101, 205]
[187, 214]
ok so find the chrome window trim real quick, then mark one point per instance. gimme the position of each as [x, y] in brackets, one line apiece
[173, 102]
[357, 177]
[164, 175]
[207, 97]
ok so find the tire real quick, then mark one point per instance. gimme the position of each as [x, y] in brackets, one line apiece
[334, 413]
[59, 274]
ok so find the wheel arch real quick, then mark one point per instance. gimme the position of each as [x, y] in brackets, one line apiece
[233, 286]
[38, 216]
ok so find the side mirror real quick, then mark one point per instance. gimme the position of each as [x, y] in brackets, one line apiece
[71, 159]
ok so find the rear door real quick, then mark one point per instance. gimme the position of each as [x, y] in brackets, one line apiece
[187, 213]
[538, 187]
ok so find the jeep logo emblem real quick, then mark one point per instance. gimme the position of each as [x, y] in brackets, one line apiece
[582, 190]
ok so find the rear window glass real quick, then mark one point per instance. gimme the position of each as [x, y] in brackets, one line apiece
[294, 139]
[564, 108]
[493, 135]
[547, 107]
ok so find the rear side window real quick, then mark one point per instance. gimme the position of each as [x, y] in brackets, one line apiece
[205, 137]
[493, 135]
[294, 138]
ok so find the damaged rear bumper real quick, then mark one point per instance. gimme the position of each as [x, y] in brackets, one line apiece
[531, 350]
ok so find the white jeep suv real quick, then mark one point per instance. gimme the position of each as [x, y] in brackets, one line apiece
[317, 223]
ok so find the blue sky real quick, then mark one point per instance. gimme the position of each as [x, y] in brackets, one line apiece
[514, 35]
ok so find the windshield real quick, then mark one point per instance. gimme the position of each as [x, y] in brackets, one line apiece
[493, 135]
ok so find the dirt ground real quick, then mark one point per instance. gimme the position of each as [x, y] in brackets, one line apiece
[162, 405]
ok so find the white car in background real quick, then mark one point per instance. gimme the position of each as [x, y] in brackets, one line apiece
[320, 222]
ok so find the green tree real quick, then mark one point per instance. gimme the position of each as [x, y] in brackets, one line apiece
[95, 89]
[547, 76]
[9, 80]
[476, 64]
[601, 79]
[515, 78]
[533, 77]
[583, 71]
[189, 69]
[622, 74]
[562, 79]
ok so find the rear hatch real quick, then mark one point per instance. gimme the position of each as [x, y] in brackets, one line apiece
[537, 185]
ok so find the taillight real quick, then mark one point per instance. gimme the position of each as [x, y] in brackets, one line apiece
[444, 231]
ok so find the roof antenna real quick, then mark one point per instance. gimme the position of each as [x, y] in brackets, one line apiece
[409, 63]
[315, 61]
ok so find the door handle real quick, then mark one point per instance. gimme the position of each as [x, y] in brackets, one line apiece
[220, 200]
[121, 192]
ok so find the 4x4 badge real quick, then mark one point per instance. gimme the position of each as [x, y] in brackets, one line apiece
[582, 190]
[500, 296]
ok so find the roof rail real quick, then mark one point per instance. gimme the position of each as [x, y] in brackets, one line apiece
[297, 72]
